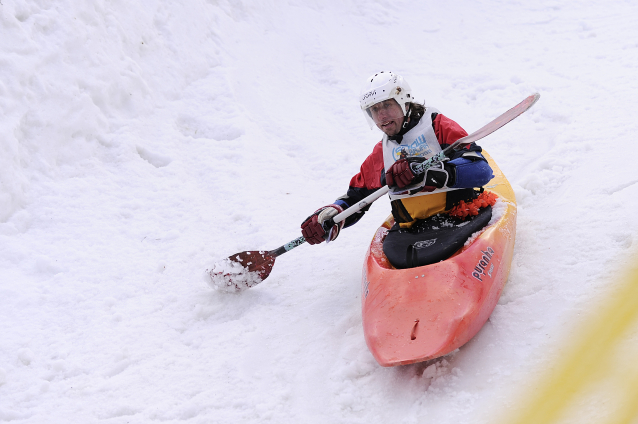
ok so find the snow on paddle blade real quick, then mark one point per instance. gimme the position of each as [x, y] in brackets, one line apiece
[231, 276]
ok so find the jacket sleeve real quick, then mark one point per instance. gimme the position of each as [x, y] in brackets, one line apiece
[467, 167]
[364, 183]
[447, 131]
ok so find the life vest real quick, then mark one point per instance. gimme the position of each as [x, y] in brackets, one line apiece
[420, 141]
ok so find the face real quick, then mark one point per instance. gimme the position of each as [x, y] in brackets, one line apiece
[388, 116]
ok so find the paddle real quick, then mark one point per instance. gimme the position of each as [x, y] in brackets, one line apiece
[247, 269]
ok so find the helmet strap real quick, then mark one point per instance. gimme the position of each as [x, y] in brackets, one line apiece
[406, 118]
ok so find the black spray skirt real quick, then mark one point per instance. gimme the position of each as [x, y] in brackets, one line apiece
[431, 240]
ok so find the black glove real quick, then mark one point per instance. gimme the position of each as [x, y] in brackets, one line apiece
[440, 175]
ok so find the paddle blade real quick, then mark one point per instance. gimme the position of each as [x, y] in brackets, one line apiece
[241, 271]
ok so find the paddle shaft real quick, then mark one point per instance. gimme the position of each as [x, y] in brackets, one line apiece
[337, 218]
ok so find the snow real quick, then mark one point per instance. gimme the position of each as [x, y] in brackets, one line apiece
[143, 142]
[498, 210]
[231, 276]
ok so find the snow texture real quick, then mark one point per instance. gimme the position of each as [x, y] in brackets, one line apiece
[230, 276]
[498, 210]
[143, 142]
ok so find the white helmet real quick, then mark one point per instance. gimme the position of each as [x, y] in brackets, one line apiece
[383, 86]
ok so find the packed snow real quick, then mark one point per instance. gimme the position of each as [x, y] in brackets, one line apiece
[231, 276]
[143, 142]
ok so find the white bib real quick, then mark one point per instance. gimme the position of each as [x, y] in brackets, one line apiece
[420, 141]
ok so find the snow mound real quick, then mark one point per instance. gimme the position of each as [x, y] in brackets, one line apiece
[231, 276]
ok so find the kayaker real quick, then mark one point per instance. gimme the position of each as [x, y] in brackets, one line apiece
[411, 132]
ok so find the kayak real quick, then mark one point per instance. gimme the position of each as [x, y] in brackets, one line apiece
[416, 314]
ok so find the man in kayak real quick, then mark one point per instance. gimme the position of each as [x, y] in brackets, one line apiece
[411, 133]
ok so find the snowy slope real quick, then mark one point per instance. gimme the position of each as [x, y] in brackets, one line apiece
[143, 141]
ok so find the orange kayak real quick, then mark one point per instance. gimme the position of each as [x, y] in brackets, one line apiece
[415, 314]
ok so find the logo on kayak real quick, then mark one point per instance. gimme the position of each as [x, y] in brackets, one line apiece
[423, 244]
[482, 265]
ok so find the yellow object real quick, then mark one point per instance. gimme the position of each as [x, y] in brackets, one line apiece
[421, 207]
[599, 353]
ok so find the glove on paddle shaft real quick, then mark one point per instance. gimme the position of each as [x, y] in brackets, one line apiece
[405, 172]
[400, 174]
[320, 227]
